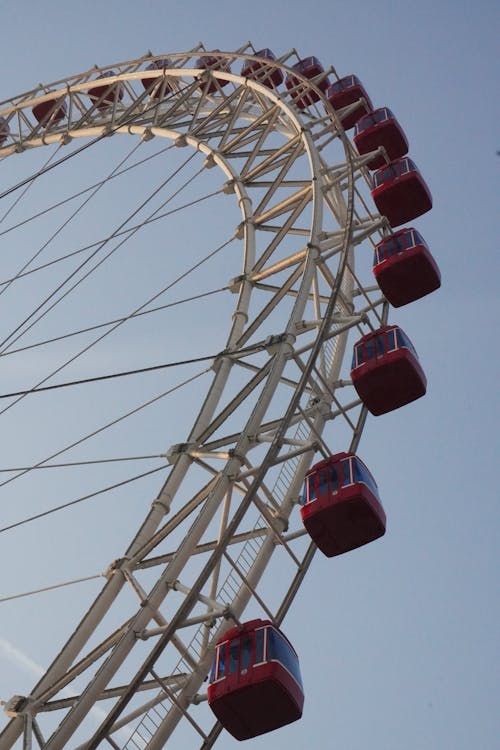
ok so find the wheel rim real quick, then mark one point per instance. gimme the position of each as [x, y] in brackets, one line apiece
[264, 147]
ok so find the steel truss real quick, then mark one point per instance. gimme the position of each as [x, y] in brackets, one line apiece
[223, 540]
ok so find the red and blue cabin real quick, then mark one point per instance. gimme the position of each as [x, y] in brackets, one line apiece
[341, 508]
[385, 370]
[302, 94]
[380, 128]
[346, 91]
[53, 110]
[400, 193]
[404, 267]
[268, 75]
[106, 94]
[157, 86]
[214, 62]
[255, 684]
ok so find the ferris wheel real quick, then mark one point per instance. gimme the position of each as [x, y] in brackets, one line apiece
[224, 542]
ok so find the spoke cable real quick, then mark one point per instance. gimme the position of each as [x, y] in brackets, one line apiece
[81, 499]
[23, 193]
[66, 464]
[121, 322]
[111, 376]
[108, 425]
[116, 320]
[137, 371]
[130, 230]
[85, 190]
[89, 258]
[70, 218]
[50, 588]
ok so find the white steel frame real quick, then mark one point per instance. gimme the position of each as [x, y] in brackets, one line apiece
[210, 550]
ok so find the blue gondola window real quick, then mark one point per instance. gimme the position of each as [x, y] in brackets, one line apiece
[246, 652]
[309, 492]
[323, 482]
[234, 651]
[346, 472]
[334, 478]
[278, 649]
[404, 341]
[312, 489]
[259, 646]
[380, 346]
[417, 238]
[357, 357]
[372, 119]
[217, 671]
[361, 474]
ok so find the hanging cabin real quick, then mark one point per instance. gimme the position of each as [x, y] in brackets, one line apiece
[404, 267]
[385, 370]
[213, 62]
[341, 508]
[400, 193]
[344, 92]
[52, 111]
[255, 684]
[157, 87]
[303, 95]
[380, 128]
[105, 95]
[258, 71]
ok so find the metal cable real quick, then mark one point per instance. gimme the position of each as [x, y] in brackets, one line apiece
[116, 320]
[117, 325]
[89, 258]
[69, 219]
[107, 425]
[49, 588]
[89, 496]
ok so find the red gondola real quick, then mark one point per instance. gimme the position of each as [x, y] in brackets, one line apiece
[385, 371]
[303, 95]
[400, 193]
[255, 683]
[52, 111]
[4, 129]
[257, 71]
[105, 95]
[404, 267]
[348, 91]
[158, 86]
[341, 508]
[380, 128]
[214, 62]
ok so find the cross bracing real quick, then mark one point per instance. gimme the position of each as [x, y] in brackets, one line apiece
[222, 540]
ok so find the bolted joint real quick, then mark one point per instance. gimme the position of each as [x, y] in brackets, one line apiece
[320, 406]
[176, 450]
[276, 342]
[313, 250]
[15, 706]
[115, 566]
[228, 187]
[240, 229]
[209, 162]
[282, 520]
[234, 285]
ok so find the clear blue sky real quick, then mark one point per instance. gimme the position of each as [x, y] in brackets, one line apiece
[398, 642]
